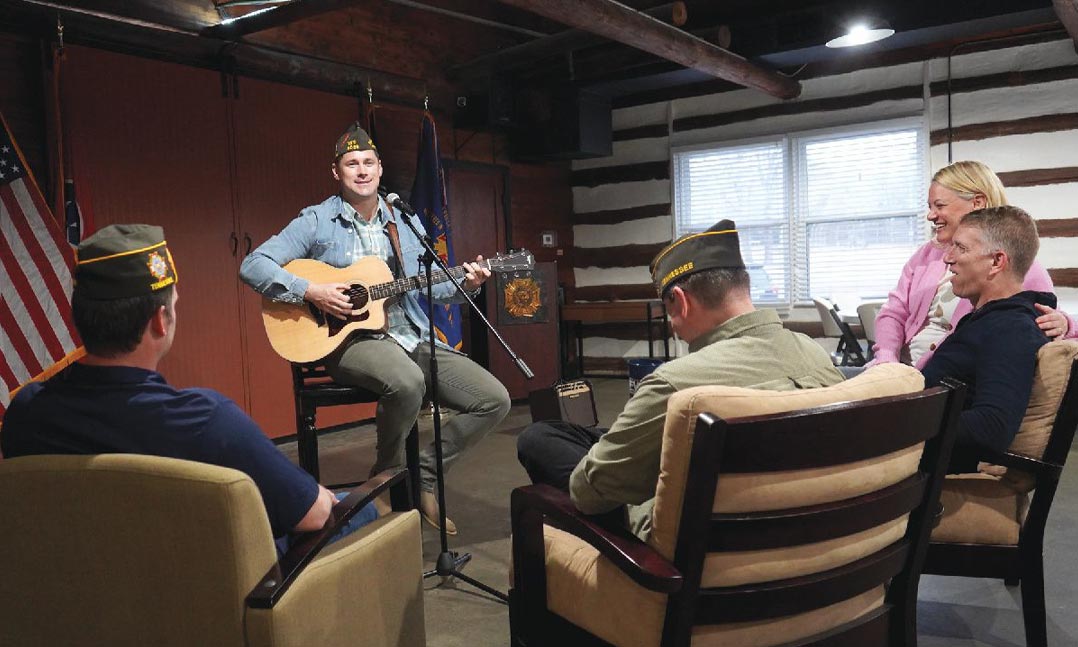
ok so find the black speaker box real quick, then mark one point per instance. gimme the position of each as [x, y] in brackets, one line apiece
[484, 110]
[562, 123]
[569, 401]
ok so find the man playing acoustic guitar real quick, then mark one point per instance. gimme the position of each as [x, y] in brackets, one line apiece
[392, 362]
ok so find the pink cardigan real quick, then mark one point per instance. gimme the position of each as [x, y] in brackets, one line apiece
[907, 306]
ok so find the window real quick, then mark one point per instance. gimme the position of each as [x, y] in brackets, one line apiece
[831, 214]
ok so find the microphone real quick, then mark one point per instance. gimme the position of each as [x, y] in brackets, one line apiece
[395, 200]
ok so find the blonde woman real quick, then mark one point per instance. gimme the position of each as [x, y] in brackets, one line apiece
[922, 310]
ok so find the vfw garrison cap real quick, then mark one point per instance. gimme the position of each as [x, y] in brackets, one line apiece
[718, 247]
[354, 139]
[121, 261]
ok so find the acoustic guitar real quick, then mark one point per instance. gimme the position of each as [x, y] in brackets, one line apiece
[303, 333]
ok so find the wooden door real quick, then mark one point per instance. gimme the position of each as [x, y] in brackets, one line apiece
[477, 224]
[284, 151]
[477, 208]
[152, 141]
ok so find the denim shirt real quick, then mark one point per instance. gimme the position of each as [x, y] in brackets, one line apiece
[325, 232]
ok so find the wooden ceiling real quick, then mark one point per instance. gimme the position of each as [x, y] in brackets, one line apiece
[409, 49]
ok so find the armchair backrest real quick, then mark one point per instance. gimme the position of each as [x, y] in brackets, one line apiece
[131, 549]
[767, 490]
[813, 499]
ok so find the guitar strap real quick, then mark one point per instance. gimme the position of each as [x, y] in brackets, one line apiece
[391, 230]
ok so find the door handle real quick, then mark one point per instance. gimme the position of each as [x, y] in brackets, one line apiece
[247, 239]
[235, 241]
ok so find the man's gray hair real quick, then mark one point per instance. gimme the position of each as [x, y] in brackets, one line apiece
[1009, 229]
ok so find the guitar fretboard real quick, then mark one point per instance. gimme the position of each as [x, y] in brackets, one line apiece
[400, 286]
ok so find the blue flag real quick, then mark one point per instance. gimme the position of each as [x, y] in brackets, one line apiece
[428, 200]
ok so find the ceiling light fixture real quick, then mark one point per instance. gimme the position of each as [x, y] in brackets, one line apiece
[862, 34]
[227, 6]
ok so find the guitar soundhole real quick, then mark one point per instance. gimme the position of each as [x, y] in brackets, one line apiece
[359, 296]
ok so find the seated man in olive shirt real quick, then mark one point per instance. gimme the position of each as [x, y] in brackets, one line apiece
[705, 286]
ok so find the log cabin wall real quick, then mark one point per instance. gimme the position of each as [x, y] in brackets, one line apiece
[1013, 108]
[237, 164]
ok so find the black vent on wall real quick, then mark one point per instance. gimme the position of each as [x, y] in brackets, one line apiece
[564, 123]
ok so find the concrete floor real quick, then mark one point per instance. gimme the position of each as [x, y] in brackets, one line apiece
[957, 612]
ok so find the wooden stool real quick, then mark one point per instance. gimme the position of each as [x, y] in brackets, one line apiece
[314, 388]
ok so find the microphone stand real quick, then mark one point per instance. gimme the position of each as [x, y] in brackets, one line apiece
[449, 562]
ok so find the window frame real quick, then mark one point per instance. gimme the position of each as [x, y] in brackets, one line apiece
[793, 189]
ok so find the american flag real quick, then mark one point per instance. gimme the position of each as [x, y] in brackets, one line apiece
[37, 337]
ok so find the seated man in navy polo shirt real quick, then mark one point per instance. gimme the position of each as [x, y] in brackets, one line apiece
[114, 401]
[994, 348]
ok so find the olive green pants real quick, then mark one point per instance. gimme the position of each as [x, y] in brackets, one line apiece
[402, 380]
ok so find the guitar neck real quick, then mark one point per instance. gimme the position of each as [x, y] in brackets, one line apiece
[400, 286]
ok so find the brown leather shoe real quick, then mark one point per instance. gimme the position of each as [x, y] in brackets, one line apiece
[428, 509]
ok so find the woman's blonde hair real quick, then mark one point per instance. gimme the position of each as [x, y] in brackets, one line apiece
[969, 178]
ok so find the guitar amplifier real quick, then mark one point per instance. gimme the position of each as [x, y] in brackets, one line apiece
[569, 401]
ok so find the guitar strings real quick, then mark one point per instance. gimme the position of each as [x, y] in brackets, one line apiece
[397, 286]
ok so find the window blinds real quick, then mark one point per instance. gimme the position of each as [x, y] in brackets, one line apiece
[832, 215]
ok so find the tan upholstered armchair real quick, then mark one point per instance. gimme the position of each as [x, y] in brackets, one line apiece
[122, 549]
[780, 518]
[993, 522]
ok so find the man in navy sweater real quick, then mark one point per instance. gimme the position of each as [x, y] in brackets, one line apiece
[994, 348]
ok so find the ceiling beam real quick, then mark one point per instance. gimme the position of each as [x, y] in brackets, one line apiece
[623, 24]
[143, 38]
[569, 40]
[1067, 10]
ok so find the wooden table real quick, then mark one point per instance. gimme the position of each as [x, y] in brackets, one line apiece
[580, 314]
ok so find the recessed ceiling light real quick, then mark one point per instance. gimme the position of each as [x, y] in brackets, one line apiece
[861, 34]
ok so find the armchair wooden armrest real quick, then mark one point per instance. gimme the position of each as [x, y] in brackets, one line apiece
[306, 546]
[1037, 468]
[531, 504]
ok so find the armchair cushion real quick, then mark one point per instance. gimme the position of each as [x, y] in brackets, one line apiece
[579, 579]
[980, 509]
[1049, 384]
[751, 566]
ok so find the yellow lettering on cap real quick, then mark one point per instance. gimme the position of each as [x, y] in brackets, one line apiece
[164, 283]
[676, 272]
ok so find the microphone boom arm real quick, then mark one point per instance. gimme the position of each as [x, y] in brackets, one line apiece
[395, 200]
